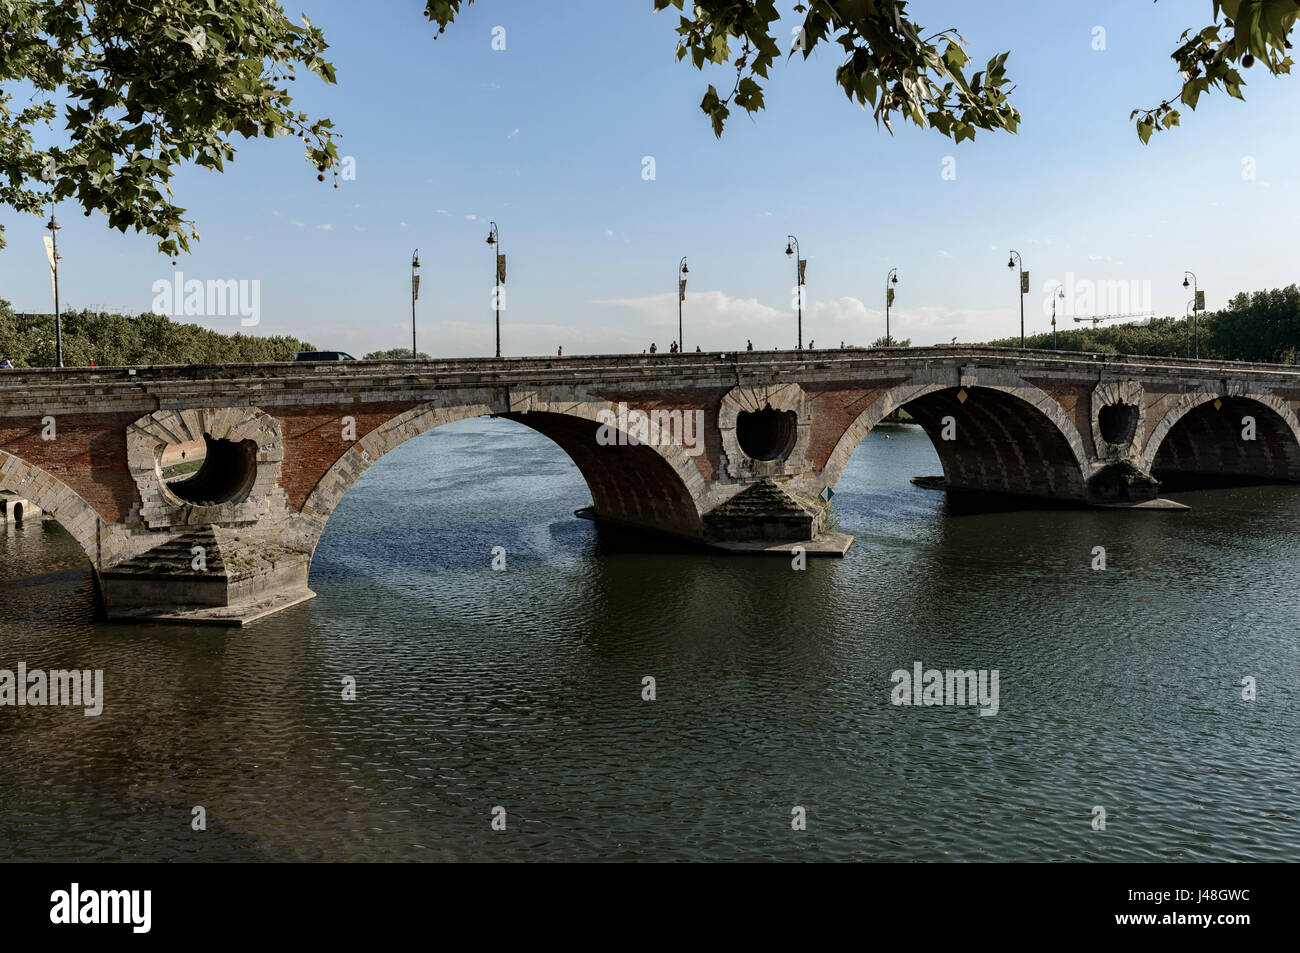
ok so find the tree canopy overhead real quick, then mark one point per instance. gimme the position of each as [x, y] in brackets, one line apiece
[148, 86]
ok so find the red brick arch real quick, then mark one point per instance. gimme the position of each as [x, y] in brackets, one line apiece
[1011, 437]
[1196, 437]
[57, 499]
[652, 486]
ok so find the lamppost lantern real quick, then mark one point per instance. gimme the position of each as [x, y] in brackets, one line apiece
[792, 251]
[53, 250]
[415, 293]
[890, 279]
[681, 296]
[1058, 295]
[494, 240]
[1014, 259]
[1198, 304]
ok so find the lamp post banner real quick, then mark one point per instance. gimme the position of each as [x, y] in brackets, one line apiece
[501, 269]
[49, 253]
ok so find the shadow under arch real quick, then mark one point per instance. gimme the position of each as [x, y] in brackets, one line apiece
[59, 500]
[1010, 439]
[653, 485]
[1198, 439]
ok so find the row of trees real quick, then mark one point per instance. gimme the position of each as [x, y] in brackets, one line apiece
[116, 340]
[1263, 326]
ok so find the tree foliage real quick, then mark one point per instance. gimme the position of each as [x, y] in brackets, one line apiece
[115, 340]
[396, 354]
[1243, 32]
[1263, 326]
[146, 87]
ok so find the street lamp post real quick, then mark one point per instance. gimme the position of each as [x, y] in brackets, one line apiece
[1197, 305]
[1012, 261]
[415, 293]
[1057, 292]
[1187, 325]
[890, 279]
[792, 250]
[494, 239]
[682, 270]
[54, 227]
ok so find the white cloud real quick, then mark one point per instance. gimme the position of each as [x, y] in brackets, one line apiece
[442, 211]
[326, 228]
[472, 218]
[944, 254]
[513, 134]
[402, 224]
[294, 221]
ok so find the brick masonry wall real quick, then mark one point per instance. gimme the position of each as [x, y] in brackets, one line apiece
[836, 405]
[313, 440]
[88, 454]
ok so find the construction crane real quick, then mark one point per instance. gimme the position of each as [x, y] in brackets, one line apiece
[1097, 319]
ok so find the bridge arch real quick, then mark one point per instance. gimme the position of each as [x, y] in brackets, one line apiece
[1008, 436]
[1197, 437]
[652, 484]
[59, 500]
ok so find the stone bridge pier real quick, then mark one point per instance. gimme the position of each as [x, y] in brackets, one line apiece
[200, 493]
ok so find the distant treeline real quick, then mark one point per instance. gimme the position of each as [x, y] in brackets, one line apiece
[1264, 326]
[115, 340]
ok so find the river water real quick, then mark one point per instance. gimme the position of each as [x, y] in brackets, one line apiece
[521, 689]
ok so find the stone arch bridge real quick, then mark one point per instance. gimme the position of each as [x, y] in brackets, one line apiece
[728, 449]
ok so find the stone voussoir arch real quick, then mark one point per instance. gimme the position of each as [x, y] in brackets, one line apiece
[160, 508]
[366, 451]
[1204, 395]
[921, 385]
[60, 501]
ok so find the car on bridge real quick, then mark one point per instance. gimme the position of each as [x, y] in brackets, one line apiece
[323, 356]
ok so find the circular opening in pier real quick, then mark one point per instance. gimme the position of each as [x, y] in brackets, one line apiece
[210, 471]
[766, 434]
[1118, 423]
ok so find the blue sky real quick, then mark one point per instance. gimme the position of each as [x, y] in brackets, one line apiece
[548, 138]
